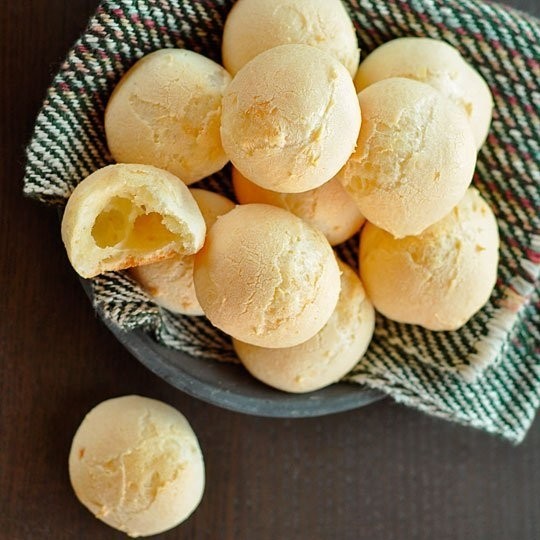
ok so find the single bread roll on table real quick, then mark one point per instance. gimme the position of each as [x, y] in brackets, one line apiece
[329, 208]
[327, 356]
[254, 26]
[166, 112]
[266, 277]
[438, 64]
[170, 282]
[290, 118]
[414, 158]
[440, 278]
[127, 215]
[135, 463]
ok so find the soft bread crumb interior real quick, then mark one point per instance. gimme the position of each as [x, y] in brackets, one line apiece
[126, 225]
[149, 232]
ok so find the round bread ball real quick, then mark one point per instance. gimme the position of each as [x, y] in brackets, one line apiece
[290, 118]
[328, 208]
[166, 112]
[127, 215]
[135, 463]
[254, 26]
[438, 64]
[170, 282]
[266, 277]
[327, 356]
[440, 278]
[414, 158]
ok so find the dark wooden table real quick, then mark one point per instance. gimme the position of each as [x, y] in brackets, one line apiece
[380, 473]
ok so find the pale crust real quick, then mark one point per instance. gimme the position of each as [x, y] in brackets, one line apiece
[438, 64]
[254, 26]
[136, 464]
[166, 112]
[327, 356]
[127, 215]
[440, 278]
[329, 207]
[290, 118]
[414, 159]
[266, 277]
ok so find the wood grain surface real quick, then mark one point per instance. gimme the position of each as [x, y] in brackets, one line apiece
[380, 473]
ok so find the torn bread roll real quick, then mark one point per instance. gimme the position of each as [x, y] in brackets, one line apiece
[290, 118]
[440, 278]
[170, 282]
[327, 356]
[166, 112]
[254, 26]
[438, 64]
[414, 158]
[127, 215]
[136, 464]
[266, 277]
[329, 207]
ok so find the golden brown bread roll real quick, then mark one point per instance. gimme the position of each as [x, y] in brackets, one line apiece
[266, 277]
[414, 158]
[166, 112]
[438, 64]
[170, 282]
[290, 118]
[327, 356]
[440, 278]
[127, 215]
[254, 26]
[328, 208]
[135, 463]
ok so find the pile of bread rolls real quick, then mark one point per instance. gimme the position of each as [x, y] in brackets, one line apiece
[312, 161]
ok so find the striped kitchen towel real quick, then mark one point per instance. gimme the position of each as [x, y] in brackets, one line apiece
[487, 374]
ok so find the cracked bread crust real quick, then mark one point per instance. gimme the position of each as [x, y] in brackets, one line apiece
[266, 277]
[290, 118]
[414, 159]
[254, 26]
[136, 464]
[166, 112]
[440, 278]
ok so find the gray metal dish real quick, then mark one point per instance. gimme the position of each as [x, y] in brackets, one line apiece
[230, 386]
